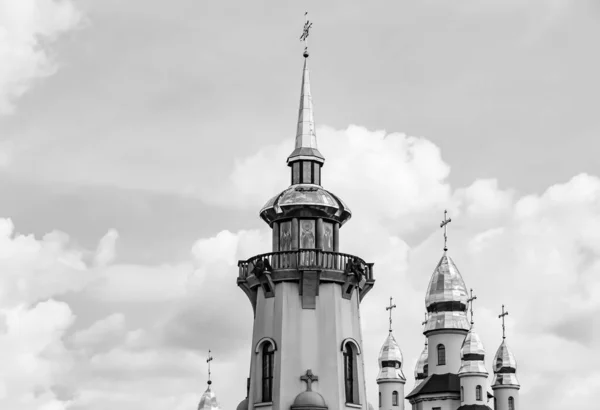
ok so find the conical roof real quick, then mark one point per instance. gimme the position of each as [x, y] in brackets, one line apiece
[421, 370]
[472, 354]
[306, 137]
[390, 360]
[208, 401]
[505, 367]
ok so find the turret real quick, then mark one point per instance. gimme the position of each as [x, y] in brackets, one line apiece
[391, 379]
[472, 373]
[421, 369]
[505, 385]
[305, 294]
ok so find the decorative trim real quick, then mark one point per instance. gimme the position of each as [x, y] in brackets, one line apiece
[354, 405]
[354, 342]
[263, 404]
[263, 340]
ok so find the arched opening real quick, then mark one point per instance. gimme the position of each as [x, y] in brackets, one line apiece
[478, 393]
[350, 374]
[379, 399]
[441, 351]
[268, 354]
[511, 403]
[462, 394]
[394, 398]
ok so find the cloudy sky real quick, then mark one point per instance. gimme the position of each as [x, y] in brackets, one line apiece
[139, 139]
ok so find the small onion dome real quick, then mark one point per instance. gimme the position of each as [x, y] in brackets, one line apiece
[390, 360]
[505, 367]
[309, 400]
[208, 401]
[446, 298]
[297, 197]
[472, 354]
[421, 370]
[243, 405]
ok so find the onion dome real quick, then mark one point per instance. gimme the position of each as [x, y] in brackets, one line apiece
[243, 405]
[446, 298]
[505, 367]
[421, 370]
[390, 360]
[309, 400]
[208, 401]
[295, 198]
[472, 354]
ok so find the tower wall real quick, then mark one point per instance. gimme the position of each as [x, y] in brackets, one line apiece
[502, 394]
[306, 339]
[452, 341]
[386, 389]
[469, 383]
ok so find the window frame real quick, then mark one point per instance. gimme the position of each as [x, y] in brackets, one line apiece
[441, 355]
[395, 398]
[511, 403]
[268, 366]
[478, 394]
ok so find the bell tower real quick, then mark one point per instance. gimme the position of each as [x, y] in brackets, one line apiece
[305, 294]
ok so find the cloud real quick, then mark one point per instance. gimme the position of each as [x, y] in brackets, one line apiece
[27, 28]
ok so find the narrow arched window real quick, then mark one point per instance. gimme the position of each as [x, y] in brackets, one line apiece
[267, 372]
[511, 403]
[394, 398]
[349, 372]
[441, 351]
[478, 393]
[462, 394]
[379, 399]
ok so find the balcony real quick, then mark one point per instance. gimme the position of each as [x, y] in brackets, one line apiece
[297, 266]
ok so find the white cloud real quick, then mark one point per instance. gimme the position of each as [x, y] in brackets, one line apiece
[27, 27]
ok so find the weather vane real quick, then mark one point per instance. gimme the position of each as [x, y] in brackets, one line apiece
[390, 307]
[470, 300]
[210, 358]
[502, 317]
[443, 225]
[305, 33]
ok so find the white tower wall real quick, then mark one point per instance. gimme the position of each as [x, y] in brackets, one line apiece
[386, 389]
[452, 341]
[469, 383]
[502, 394]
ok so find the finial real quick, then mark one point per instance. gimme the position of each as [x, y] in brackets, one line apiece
[426, 318]
[502, 316]
[305, 33]
[390, 307]
[309, 378]
[470, 301]
[443, 225]
[210, 358]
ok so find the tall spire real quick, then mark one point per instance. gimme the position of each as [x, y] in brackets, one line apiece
[306, 138]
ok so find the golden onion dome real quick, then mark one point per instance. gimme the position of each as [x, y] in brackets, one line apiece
[390, 360]
[208, 401]
[505, 367]
[421, 370]
[472, 354]
[446, 298]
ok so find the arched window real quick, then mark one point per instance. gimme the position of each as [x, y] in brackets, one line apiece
[268, 354]
[495, 403]
[441, 350]
[379, 399]
[350, 373]
[478, 393]
[394, 398]
[462, 394]
[511, 403]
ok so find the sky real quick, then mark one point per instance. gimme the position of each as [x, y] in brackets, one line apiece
[139, 140]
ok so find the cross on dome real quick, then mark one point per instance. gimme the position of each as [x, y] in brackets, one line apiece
[502, 317]
[470, 301]
[309, 378]
[390, 307]
[444, 224]
[208, 360]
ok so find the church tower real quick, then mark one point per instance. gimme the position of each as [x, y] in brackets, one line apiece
[505, 385]
[306, 350]
[391, 379]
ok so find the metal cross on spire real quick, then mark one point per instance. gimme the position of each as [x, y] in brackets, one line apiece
[309, 378]
[305, 33]
[502, 316]
[210, 358]
[445, 222]
[470, 300]
[425, 321]
[390, 307]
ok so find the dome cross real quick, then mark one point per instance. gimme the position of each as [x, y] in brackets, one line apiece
[210, 359]
[444, 224]
[470, 301]
[390, 307]
[502, 317]
[309, 378]
[426, 318]
[305, 33]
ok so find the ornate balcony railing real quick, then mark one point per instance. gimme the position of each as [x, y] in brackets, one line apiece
[305, 259]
